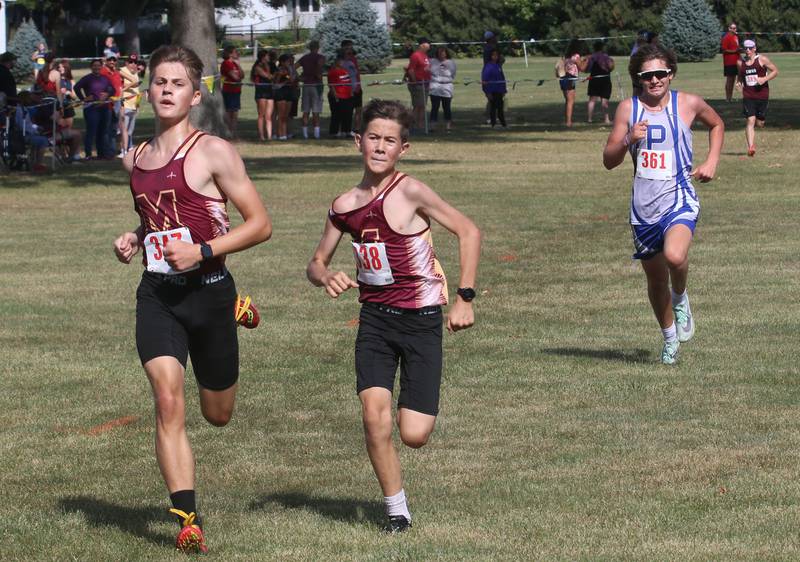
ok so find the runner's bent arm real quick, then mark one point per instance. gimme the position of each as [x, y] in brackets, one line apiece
[127, 244]
[335, 282]
[227, 171]
[716, 134]
[772, 70]
[620, 137]
[429, 203]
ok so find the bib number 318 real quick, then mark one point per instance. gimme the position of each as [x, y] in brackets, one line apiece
[372, 263]
[154, 243]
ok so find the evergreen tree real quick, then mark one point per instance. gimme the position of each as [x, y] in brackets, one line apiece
[357, 21]
[23, 44]
[691, 30]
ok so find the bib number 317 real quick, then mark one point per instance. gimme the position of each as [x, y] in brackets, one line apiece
[372, 263]
[154, 243]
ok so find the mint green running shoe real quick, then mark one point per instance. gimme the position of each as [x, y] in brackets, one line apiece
[669, 355]
[684, 322]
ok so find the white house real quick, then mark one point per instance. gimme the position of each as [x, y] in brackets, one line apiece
[260, 18]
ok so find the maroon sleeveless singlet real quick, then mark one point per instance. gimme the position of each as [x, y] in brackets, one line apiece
[165, 201]
[413, 279]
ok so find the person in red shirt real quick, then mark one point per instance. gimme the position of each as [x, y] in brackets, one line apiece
[232, 76]
[418, 74]
[340, 98]
[730, 59]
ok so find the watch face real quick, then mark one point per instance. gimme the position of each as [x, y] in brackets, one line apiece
[466, 294]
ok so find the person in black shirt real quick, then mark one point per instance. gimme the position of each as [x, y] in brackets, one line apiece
[8, 85]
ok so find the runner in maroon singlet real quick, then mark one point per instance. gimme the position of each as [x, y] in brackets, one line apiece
[402, 287]
[755, 72]
[181, 180]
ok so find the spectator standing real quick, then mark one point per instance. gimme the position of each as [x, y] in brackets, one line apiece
[312, 65]
[38, 59]
[599, 66]
[418, 74]
[261, 76]
[489, 45]
[68, 97]
[282, 91]
[350, 64]
[48, 81]
[110, 71]
[730, 58]
[130, 102]
[340, 96]
[110, 48]
[567, 73]
[94, 89]
[232, 76]
[755, 72]
[494, 86]
[8, 84]
[443, 72]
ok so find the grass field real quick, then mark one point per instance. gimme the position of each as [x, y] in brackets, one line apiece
[560, 435]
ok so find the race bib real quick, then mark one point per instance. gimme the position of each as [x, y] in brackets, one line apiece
[654, 164]
[154, 248]
[372, 263]
[751, 79]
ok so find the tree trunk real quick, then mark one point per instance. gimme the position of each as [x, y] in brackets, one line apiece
[191, 24]
[130, 42]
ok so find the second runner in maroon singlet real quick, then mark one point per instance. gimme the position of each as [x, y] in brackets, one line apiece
[394, 269]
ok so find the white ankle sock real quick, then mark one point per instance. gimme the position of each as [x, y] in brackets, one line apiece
[316, 132]
[305, 132]
[396, 505]
[670, 334]
[678, 299]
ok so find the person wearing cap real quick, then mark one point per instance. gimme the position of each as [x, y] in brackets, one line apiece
[130, 102]
[8, 84]
[418, 74]
[754, 73]
[730, 59]
[109, 70]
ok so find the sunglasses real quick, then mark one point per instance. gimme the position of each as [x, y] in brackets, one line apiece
[659, 73]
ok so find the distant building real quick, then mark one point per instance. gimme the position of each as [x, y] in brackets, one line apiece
[305, 13]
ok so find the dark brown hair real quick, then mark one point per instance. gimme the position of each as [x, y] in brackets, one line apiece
[387, 109]
[648, 52]
[175, 53]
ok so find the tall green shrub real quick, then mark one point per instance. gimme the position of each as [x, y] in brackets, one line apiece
[23, 44]
[357, 21]
[691, 30]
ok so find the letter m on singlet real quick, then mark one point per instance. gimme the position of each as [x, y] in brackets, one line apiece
[161, 214]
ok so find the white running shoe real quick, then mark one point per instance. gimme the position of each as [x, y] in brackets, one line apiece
[684, 322]
[669, 355]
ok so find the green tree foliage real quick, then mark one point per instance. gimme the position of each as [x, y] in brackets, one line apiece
[357, 21]
[774, 16]
[23, 44]
[691, 30]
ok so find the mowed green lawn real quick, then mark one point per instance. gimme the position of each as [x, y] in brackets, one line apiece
[560, 435]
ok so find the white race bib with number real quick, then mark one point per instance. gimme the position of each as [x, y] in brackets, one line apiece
[654, 164]
[154, 248]
[372, 263]
[751, 79]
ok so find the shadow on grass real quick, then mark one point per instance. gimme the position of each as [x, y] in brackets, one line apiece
[339, 509]
[626, 356]
[133, 520]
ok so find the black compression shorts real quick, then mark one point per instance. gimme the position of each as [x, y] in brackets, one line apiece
[179, 315]
[388, 336]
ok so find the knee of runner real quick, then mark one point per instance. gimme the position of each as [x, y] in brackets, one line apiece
[377, 420]
[169, 408]
[674, 258]
[218, 418]
[414, 439]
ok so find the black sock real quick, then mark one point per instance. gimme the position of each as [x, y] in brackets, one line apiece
[185, 501]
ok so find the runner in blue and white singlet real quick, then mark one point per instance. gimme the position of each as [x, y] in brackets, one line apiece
[654, 128]
[663, 194]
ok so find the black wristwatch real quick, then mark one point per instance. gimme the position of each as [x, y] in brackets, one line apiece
[206, 252]
[466, 293]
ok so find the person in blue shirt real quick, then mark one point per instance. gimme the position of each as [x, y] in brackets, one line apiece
[494, 86]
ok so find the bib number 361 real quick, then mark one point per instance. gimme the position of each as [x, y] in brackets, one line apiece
[654, 164]
[372, 263]
[154, 243]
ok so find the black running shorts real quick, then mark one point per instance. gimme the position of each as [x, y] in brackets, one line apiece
[413, 338]
[193, 319]
[757, 108]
